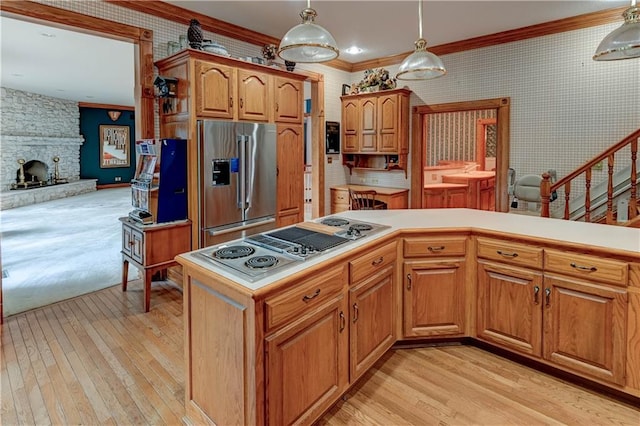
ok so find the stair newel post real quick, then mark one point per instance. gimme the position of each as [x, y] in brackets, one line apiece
[633, 200]
[545, 194]
[587, 195]
[610, 162]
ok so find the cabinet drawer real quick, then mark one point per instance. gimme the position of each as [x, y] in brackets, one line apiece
[305, 296]
[372, 262]
[508, 252]
[339, 196]
[584, 266]
[434, 246]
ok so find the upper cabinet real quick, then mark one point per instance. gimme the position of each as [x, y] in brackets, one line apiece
[288, 99]
[376, 123]
[230, 93]
[375, 129]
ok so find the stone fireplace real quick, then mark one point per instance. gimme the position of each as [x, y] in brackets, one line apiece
[37, 129]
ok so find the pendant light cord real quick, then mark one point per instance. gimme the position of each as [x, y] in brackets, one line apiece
[420, 18]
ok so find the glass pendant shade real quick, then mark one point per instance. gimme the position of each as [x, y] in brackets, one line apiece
[421, 64]
[623, 42]
[308, 42]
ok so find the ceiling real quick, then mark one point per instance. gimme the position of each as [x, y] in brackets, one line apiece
[86, 68]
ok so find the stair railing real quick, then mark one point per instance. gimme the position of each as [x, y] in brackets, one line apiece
[546, 188]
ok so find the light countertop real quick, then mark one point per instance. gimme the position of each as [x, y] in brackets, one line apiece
[615, 238]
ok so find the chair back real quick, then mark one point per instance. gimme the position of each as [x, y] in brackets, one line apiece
[365, 200]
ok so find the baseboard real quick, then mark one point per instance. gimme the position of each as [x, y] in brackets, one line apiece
[113, 185]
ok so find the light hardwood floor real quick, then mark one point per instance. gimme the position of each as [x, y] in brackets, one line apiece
[97, 359]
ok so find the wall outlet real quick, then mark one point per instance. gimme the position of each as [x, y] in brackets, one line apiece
[118, 179]
[598, 166]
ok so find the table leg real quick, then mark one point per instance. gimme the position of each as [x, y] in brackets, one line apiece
[147, 289]
[125, 274]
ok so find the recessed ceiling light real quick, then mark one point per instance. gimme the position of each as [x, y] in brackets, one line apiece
[49, 35]
[90, 97]
[59, 90]
[354, 50]
[17, 75]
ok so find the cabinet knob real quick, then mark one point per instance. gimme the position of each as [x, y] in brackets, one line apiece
[408, 281]
[439, 248]
[377, 261]
[536, 290]
[343, 321]
[230, 102]
[355, 312]
[241, 103]
[277, 107]
[547, 297]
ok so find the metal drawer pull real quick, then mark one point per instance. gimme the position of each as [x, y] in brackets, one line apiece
[502, 253]
[355, 312]
[430, 248]
[408, 281]
[547, 296]
[584, 268]
[377, 261]
[536, 290]
[231, 102]
[306, 297]
[343, 322]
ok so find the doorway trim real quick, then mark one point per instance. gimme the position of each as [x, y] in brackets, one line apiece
[142, 39]
[420, 115]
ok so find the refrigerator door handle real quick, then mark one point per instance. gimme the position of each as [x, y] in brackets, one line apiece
[248, 158]
[242, 195]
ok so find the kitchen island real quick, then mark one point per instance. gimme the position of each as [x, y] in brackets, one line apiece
[284, 348]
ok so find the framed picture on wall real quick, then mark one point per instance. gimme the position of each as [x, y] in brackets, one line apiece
[114, 146]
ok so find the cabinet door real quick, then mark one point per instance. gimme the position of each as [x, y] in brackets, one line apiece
[434, 199]
[584, 327]
[510, 307]
[456, 198]
[433, 298]
[372, 324]
[388, 123]
[350, 126]
[306, 365]
[369, 125]
[290, 185]
[488, 194]
[214, 90]
[254, 101]
[288, 100]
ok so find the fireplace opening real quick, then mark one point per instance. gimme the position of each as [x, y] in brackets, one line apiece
[32, 174]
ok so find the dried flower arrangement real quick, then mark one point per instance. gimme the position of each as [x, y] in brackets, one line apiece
[374, 80]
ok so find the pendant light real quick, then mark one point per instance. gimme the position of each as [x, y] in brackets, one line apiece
[421, 64]
[308, 42]
[623, 42]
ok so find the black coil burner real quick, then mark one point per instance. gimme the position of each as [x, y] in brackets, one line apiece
[334, 221]
[261, 262]
[234, 252]
[361, 227]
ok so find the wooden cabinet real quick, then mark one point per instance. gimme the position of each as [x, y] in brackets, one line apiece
[152, 248]
[215, 90]
[230, 93]
[434, 292]
[570, 322]
[289, 98]
[481, 192]
[371, 304]
[394, 198]
[290, 174]
[509, 307]
[442, 196]
[306, 365]
[211, 86]
[585, 314]
[376, 124]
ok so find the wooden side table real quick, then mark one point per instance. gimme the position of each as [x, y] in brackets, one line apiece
[152, 248]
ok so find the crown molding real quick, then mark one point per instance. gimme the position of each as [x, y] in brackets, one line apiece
[177, 14]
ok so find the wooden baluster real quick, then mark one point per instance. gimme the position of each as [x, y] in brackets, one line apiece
[587, 196]
[567, 195]
[545, 193]
[633, 200]
[610, 161]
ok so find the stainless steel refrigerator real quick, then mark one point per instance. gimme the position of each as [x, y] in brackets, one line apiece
[237, 163]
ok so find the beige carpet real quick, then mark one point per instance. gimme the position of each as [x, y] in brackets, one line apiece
[63, 248]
